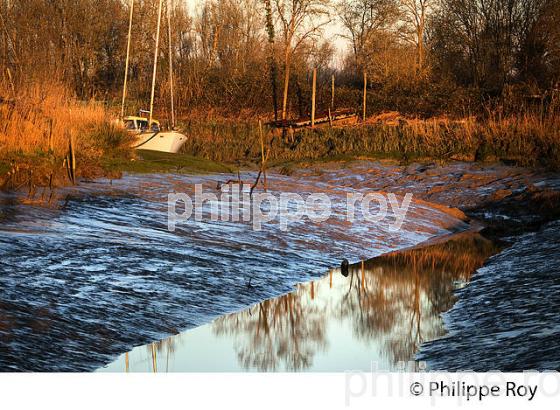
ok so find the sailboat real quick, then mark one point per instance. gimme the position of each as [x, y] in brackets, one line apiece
[148, 131]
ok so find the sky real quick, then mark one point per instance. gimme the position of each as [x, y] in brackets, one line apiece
[330, 33]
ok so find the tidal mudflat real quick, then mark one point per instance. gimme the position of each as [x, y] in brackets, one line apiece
[513, 309]
[87, 281]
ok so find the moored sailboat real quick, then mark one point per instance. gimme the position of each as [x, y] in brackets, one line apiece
[148, 132]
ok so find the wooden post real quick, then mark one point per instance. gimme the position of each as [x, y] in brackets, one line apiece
[365, 94]
[332, 92]
[73, 156]
[363, 276]
[263, 159]
[314, 89]
[51, 147]
[262, 142]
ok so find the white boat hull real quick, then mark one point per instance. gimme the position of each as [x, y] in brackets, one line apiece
[165, 141]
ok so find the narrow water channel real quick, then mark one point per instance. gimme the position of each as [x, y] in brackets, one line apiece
[375, 318]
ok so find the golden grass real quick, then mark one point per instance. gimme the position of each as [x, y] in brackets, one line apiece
[42, 117]
[527, 139]
[36, 127]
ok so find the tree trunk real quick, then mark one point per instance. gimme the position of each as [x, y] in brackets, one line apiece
[332, 92]
[272, 60]
[420, 35]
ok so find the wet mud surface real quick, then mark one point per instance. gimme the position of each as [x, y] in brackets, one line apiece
[508, 318]
[83, 283]
[86, 282]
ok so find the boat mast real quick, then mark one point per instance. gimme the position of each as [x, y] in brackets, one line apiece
[169, 3]
[155, 64]
[127, 57]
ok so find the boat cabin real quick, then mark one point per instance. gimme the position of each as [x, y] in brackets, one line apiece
[140, 124]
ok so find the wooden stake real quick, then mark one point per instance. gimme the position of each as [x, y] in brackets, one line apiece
[70, 161]
[263, 159]
[314, 90]
[363, 276]
[73, 157]
[332, 92]
[51, 148]
[365, 94]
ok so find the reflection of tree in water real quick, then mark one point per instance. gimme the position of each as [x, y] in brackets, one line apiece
[366, 304]
[284, 331]
[395, 302]
[420, 283]
[160, 352]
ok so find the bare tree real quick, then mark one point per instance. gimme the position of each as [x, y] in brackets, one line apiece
[414, 15]
[300, 20]
[273, 70]
[362, 21]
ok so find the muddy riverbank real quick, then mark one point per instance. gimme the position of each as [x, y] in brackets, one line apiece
[507, 319]
[101, 274]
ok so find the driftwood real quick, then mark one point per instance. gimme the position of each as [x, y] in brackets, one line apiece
[233, 181]
[338, 116]
[264, 160]
[262, 169]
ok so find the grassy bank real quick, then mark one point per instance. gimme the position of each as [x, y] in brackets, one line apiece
[152, 162]
[44, 127]
[528, 140]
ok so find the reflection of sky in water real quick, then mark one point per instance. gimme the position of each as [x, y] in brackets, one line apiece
[333, 324]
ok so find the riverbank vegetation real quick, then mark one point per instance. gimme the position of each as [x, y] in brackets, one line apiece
[45, 127]
[526, 140]
[443, 79]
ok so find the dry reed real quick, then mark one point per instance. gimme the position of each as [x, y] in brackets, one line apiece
[41, 117]
[527, 139]
[36, 127]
